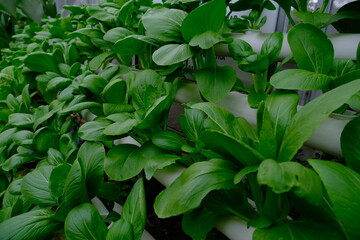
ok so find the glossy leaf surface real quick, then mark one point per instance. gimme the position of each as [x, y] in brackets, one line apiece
[85, 222]
[36, 187]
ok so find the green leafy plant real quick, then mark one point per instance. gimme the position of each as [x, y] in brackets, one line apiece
[238, 156]
[75, 89]
[257, 64]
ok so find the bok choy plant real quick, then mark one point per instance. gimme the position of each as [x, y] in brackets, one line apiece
[243, 165]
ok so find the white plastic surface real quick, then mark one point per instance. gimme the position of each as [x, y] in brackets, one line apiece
[345, 45]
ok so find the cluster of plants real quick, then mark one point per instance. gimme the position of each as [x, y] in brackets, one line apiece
[75, 89]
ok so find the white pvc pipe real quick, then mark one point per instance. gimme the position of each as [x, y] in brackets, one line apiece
[345, 45]
[236, 102]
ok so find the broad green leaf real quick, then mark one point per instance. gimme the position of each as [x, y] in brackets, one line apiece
[96, 62]
[126, 161]
[26, 98]
[115, 91]
[291, 176]
[215, 82]
[312, 49]
[307, 119]
[159, 162]
[221, 120]
[232, 201]
[32, 9]
[299, 79]
[198, 223]
[350, 144]
[134, 44]
[282, 107]
[164, 24]
[72, 55]
[41, 62]
[94, 130]
[154, 113]
[286, 6]
[168, 140]
[57, 179]
[148, 87]
[15, 186]
[342, 186]
[120, 230]
[88, 32]
[58, 83]
[267, 144]
[12, 103]
[100, 14]
[172, 53]
[342, 66]
[206, 39]
[207, 17]
[75, 191]
[272, 46]
[116, 158]
[81, 106]
[254, 63]
[21, 119]
[240, 49]
[23, 137]
[134, 209]
[120, 128]
[245, 171]
[112, 108]
[6, 137]
[188, 190]
[218, 118]
[55, 157]
[230, 147]
[36, 187]
[115, 34]
[192, 123]
[317, 19]
[298, 230]
[94, 84]
[91, 157]
[34, 225]
[67, 145]
[44, 139]
[16, 161]
[85, 222]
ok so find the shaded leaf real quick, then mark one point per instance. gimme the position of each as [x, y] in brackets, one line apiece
[215, 82]
[36, 186]
[134, 210]
[342, 186]
[85, 222]
[188, 190]
[350, 144]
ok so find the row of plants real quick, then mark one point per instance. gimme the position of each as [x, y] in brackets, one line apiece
[122, 62]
